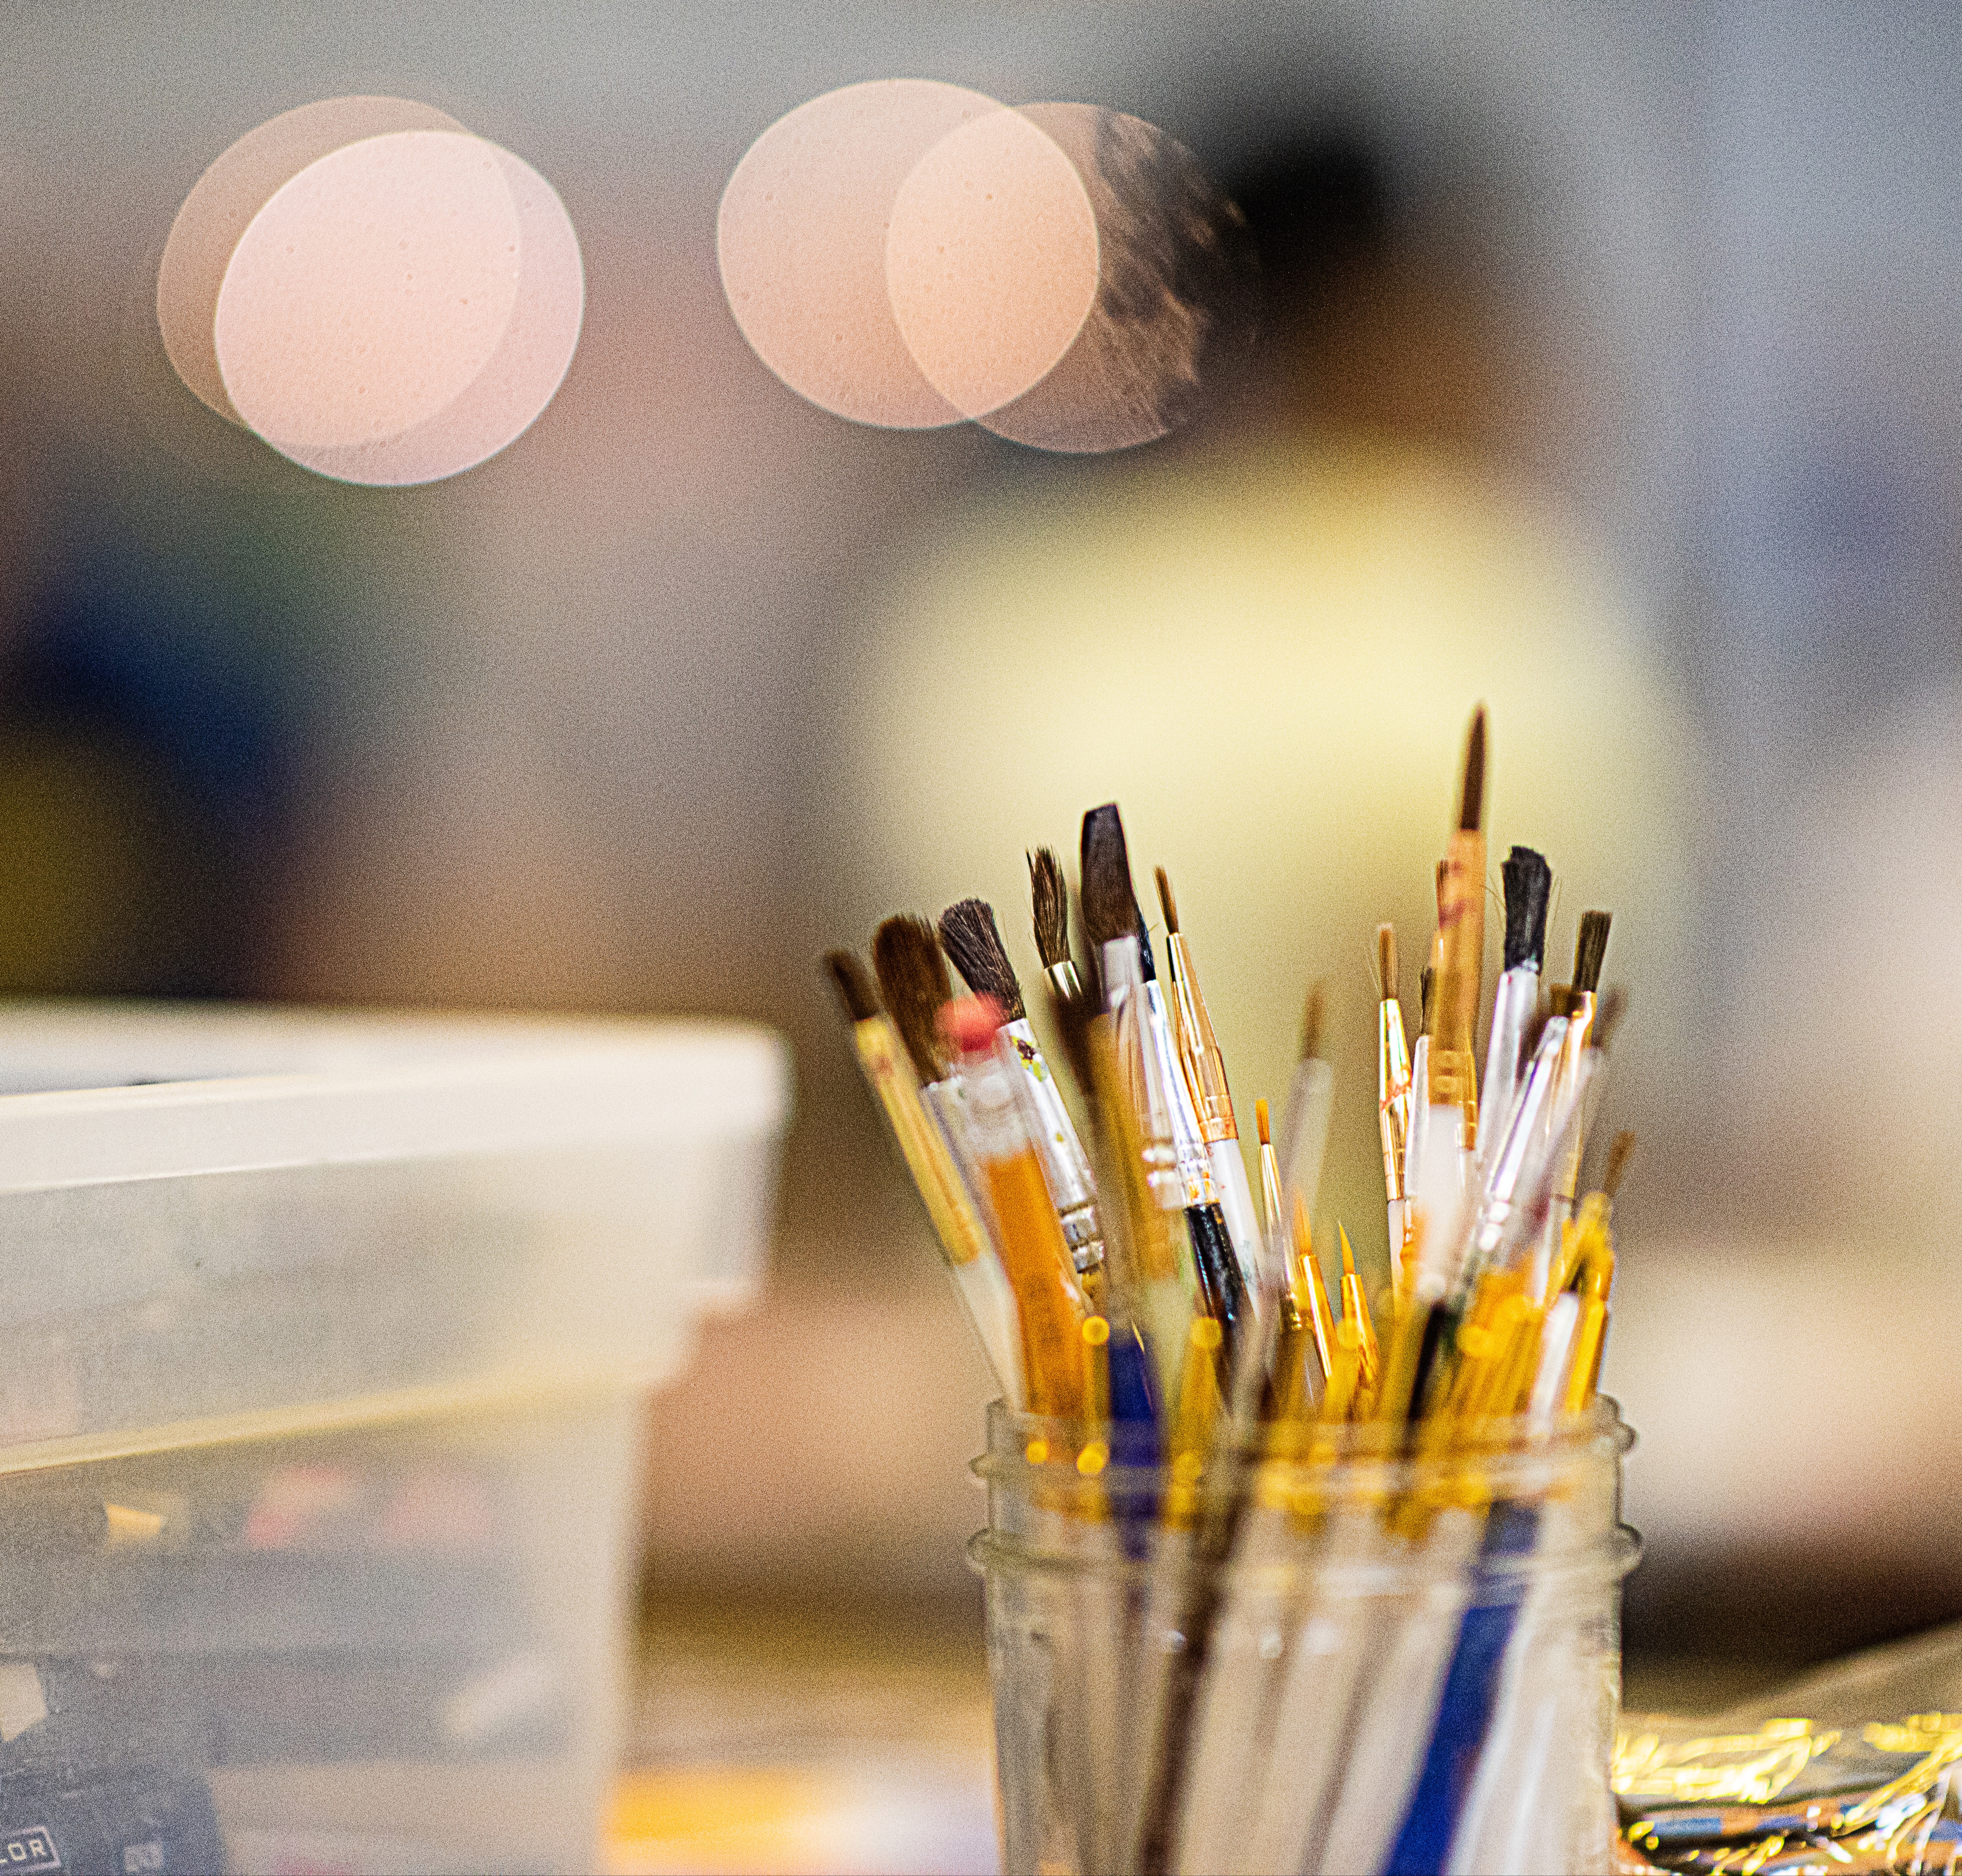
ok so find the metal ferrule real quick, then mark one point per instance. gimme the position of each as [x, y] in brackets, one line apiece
[1513, 1005]
[1521, 1164]
[1195, 1163]
[1393, 1097]
[1199, 1055]
[1072, 1187]
[1142, 1072]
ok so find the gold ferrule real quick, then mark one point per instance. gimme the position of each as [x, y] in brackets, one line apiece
[921, 1143]
[1458, 958]
[1273, 1214]
[1199, 1054]
[1063, 979]
[1320, 1316]
[1393, 1097]
[1580, 1031]
[1590, 1339]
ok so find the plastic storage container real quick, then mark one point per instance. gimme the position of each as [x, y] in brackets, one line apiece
[1364, 1663]
[323, 1343]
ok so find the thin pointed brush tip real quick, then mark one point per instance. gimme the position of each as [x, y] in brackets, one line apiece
[1348, 1252]
[1471, 796]
[1050, 898]
[1169, 904]
[1110, 904]
[1608, 1013]
[1260, 1123]
[1386, 962]
[854, 984]
[1311, 1020]
[1618, 1163]
[973, 940]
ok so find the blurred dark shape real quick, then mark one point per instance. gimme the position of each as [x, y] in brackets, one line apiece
[1317, 212]
[1371, 324]
[145, 786]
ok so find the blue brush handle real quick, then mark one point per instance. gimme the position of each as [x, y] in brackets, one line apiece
[1464, 1710]
[1134, 1431]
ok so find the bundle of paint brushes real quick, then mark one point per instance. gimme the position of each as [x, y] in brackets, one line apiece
[1304, 1550]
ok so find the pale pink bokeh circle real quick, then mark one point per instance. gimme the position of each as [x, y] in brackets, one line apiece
[370, 291]
[519, 378]
[991, 260]
[801, 238]
[231, 192]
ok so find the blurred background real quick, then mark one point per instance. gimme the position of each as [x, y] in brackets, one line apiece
[1611, 375]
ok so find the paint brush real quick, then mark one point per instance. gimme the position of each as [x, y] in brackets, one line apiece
[1311, 1101]
[1049, 895]
[1356, 1309]
[1529, 881]
[970, 1260]
[913, 981]
[1049, 1301]
[1205, 1071]
[1150, 1063]
[971, 938]
[1394, 1098]
[1590, 950]
[1438, 1180]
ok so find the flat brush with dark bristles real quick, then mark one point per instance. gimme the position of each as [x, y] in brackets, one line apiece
[973, 940]
[1110, 909]
[1149, 1058]
[945, 1190]
[1529, 882]
[913, 981]
[1590, 950]
[1528, 879]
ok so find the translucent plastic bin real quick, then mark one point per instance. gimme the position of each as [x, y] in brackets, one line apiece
[325, 1338]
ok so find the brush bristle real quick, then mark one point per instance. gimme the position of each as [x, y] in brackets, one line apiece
[1311, 1020]
[1260, 1123]
[1109, 905]
[1165, 899]
[1426, 984]
[973, 941]
[1529, 885]
[1348, 1250]
[1618, 1163]
[1386, 962]
[913, 981]
[1471, 796]
[1590, 950]
[854, 985]
[1609, 1011]
[1051, 897]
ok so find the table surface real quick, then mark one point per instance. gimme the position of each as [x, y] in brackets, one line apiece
[823, 1739]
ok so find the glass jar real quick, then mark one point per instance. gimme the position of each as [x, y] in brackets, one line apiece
[1355, 1659]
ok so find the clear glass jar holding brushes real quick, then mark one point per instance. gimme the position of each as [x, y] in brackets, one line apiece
[1370, 1652]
